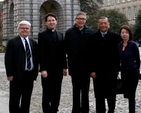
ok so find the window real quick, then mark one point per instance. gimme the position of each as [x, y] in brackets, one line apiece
[118, 1]
[104, 2]
[108, 2]
[123, 1]
[135, 12]
[113, 2]
[140, 6]
[129, 13]
[124, 11]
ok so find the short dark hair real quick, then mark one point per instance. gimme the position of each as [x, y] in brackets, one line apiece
[103, 17]
[128, 29]
[50, 14]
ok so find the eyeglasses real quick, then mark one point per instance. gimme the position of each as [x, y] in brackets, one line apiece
[81, 19]
[24, 28]
[103, 23]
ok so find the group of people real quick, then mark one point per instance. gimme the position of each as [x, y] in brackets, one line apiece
[86, 54]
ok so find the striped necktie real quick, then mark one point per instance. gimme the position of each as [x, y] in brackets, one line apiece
[28, 54]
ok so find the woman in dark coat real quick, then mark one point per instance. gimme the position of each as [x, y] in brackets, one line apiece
[130, 64]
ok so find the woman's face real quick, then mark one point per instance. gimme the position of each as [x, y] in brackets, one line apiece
[124, 34]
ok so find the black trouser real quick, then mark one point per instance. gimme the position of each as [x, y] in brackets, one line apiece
[100, 105]
[20, 95]
[80, 85]
[51, 92]
[131, 105]
[130, 81]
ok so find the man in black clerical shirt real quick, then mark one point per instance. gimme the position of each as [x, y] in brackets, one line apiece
[52, 59]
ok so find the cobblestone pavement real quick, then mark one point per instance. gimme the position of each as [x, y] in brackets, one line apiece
[66, 96]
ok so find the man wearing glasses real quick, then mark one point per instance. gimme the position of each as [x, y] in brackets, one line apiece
[21, 65]
[76, 44]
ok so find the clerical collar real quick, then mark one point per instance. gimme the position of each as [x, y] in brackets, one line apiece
[52, 30]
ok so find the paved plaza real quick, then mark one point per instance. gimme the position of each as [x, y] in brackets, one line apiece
[66, 96]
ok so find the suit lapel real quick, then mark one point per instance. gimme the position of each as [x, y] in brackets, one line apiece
[20, 42]
[31, 45]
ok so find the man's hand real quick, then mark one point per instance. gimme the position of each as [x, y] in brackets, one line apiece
[44, 74]
[93, 74]
[65, 72]
[10, 78]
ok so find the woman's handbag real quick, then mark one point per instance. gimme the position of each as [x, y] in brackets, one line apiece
[119, 86]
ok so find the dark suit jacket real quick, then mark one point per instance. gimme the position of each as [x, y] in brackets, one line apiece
[51, 53]
[15, 58]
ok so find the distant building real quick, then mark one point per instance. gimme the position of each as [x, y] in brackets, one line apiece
[128, 7]
[1, 16]
[34, 11]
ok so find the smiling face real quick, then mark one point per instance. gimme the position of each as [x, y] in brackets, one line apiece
[51, 22]
[124, 34]
[80, 21]
[24, 30]
[103, 24]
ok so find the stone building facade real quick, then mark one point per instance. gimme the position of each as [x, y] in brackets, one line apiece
[128, 7]
[1, 18]
[34, 11]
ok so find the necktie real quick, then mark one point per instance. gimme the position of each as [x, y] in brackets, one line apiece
[103, 34]
[28, 55]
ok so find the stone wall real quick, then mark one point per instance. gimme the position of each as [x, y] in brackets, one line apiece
[34, 11]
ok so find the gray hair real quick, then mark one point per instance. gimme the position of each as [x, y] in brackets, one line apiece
[23, 22]
[81, 13]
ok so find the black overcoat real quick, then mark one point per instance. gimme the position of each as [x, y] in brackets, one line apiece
[103, 59]
[76, 49]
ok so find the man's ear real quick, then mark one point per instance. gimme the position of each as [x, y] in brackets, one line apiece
[109, 25]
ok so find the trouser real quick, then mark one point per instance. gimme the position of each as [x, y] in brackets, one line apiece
[131, 105]
[80, 84]
[20, 95]
[100, 105]
[130, 80]
[51, 92]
